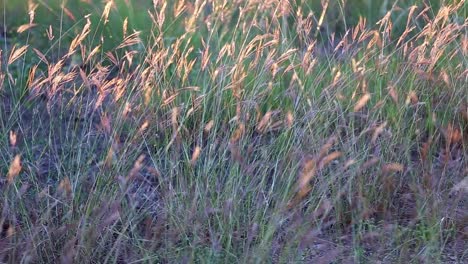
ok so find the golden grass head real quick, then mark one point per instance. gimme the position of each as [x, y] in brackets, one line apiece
[65, 187]
[15, 169]
[17, 53]
[195, 155]
[362, 102]
[392, 167]
[13, 139]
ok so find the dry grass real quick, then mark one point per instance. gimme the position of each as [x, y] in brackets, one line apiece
[234, 131]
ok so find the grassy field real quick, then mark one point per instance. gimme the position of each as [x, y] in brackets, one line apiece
[244, 131]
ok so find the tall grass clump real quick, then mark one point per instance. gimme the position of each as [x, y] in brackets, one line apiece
[233, 131]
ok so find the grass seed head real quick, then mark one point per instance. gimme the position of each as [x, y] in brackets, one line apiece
[13, 139]
[208, 126]
[17, 53]
[105, 13]
[303, 185]
[362, 102]
[378, 130]
[65, 187]
[329, 158]
[264, 122]
[238, 133]
[393, 94]
[195, 155]
[326, 147]
[392, 167]
[452, 134]
[25, 27]
[289, 119]
[15, 169]
[412, 98]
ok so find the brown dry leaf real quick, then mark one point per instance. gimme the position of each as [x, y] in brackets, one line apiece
[16, 53]
[25, 27]
[14, 170]
[362, 102]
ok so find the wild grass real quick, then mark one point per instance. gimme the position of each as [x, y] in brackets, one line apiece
[234, 131]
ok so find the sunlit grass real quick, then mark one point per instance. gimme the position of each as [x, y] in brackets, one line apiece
[236, 131]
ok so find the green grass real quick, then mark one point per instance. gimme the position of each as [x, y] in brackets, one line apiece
[233, 133]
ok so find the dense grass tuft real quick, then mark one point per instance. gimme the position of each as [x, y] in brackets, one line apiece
[233, 131]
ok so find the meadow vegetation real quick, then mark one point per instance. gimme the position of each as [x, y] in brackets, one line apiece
[243, 131]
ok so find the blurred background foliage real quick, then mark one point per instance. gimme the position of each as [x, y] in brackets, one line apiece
[67, 17]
